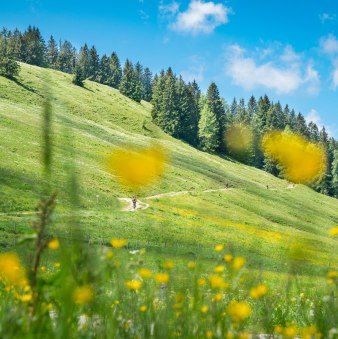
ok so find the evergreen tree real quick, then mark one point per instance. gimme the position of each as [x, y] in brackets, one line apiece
[208, 128]
[252, 107]
[313, 131]
[67, 57]
[138, 82]
[104, 72]
[52, 53]
[301, 126]
[8, 66]
[334, 174]
[292, 121]
[157, 97]
[78, 78]
[127, 85]
[147, 81]
[84, 60]
[94, 64]
[115, 73]
[15, 44]
[33, 47]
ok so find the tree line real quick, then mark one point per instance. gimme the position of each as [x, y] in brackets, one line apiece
[179, 108]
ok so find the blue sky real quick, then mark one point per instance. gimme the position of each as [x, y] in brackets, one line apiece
[286, 49]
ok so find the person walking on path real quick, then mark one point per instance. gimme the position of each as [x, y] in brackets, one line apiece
[134, 201]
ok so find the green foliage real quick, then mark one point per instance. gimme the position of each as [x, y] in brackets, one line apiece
[115, 73]
[52, 53]
[78, 78]
[8, 66]
[34, 51]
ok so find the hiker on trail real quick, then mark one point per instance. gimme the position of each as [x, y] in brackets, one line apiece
[267, 187]
[134, 200]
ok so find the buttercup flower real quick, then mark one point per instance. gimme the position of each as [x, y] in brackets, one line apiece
[238, 263]
[83, 294]
[11, 270]
[145, 273]
[239, 311]
[118, 243]
[53, 244]
[162, 278]
[258, 291]
[134, 285]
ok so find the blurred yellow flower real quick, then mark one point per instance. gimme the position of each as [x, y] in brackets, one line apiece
[244, 335]
[134, 285]
[143, 308]
[219, 269]
[279, 329]
[208, 334]
[118, 243]
[219, 248]
[162, 278]
[145, 273]
[11, 270]
[290, 331]
[228, 257]
[43, 268]
[332, 274]
[333, 231]
[57, 265]
[136, 169]
[191, 265]
[217, 297]
[53, 244]
[204, 309]
[310, 332]
[258, 291]
[238, 263]
[83, 294]
[201, 282]
[238, 138]
[217, 282]
[239, 311]
[25, 297]
[168, 265]
[301, 160]
[109, 254]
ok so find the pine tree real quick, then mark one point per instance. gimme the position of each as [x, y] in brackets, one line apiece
[104, 72]
[138, 83]
[313, 131]
[84, 60]
[33, 47]
[301, 126]
[147, 81]
[67, 57]
[127, 85]
[208, 130]
[334, 174]
[8, 66]
[157, 97]
[94, 64]
[52, 53]
[78, 78]
[115, 73]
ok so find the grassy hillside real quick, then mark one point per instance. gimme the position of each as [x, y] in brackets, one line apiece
[258, 223]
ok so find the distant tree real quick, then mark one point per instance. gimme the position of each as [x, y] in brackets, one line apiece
[147, 80]
[334, 174]
[15, 44]
[67, 57]
[313, 131]
[94, 64]
[208, 129]
[127, 85]
[115, 73]
[301, 126]
[52, 53]
[138, 83]
[104, 71]
[8, 66]
[33, 47]
[157, 97]
[78, 78]
[84, 60]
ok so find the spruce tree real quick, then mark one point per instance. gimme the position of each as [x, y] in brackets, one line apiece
[115, 73]
[67, 57]
[208, 129]
[104, 72]
[157, 97]
[127, 85]
[33, 47]
[52, 53]
[78, 78]
[84, 60]
[334, 174]
[8, 66]
[147, 81]
[94, 64]
[138, 83]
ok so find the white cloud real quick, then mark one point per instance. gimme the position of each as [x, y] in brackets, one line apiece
[329, 44]
[284, 73]
[195, 71]
[168, 10]
[324, 17]
[315, 117]
[201, 17]
[335, 78]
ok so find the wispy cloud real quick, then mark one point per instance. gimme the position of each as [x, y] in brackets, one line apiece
[283, 71]
[200, 17]
[196, 69]
[324, 17]
[315, 117]
[329, 45]
[168, 10]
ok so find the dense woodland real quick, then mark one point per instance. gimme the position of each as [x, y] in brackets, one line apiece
[179, 108]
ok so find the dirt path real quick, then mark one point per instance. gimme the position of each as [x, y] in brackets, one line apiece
[130, 208]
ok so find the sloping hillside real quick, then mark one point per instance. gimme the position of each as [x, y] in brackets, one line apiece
[258, 222]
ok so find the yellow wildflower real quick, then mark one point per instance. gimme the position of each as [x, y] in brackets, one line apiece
[57, 265]
[134, 285]
[219, 269]
[309, 332]
[11, 270]
[238, 311]
[258, 291]
[118, 243]
[290, 331]
[334, 231]
[145, 273]
[208, 334]
[217, 282]
[228, 257]
[25, 297]
[162, 278]
[279, 329]
[201, 282]
[191, 265]
[244, 335]
[204, 309]
[109, 254]
[143, 308]
[168, 265]
[217, 297]
[219, 248]
[230, 335]
[136, 169]
[238, 138]
[43, 268]
[238, 263]
[332, 274]
[301, 160]
[83, 294]
[54, 244]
